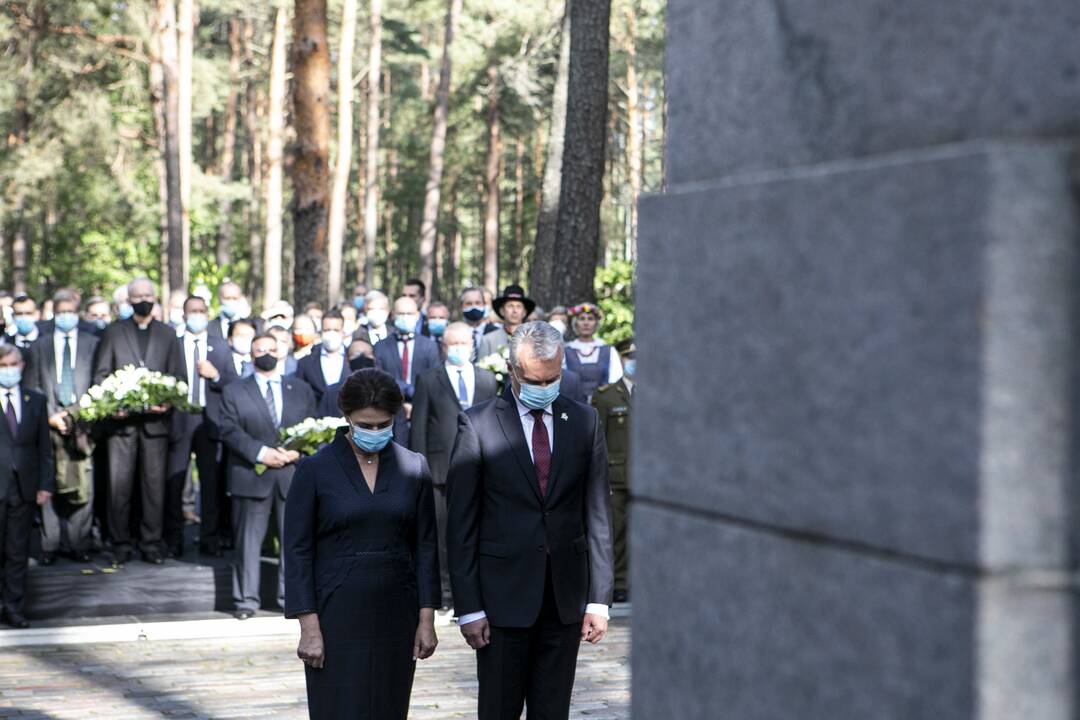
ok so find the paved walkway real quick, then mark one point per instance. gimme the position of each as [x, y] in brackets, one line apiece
[250, 677]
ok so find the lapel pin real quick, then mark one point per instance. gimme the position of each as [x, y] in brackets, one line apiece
[563, 417]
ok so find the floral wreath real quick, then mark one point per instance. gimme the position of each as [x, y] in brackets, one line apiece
[585, 309]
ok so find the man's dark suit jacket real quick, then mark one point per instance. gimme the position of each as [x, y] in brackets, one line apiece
[435, 416]
[47, 327]
[309, 369]
[120, 346]
[501, 532]
[28, 457]
[213, 329]
[219, 354]
[246, 427]
[40, 371]
[425, 356]
[570, 386]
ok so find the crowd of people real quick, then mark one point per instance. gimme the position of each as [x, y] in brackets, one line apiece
[124, 489]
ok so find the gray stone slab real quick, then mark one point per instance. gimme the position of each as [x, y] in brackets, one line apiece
[877, 352]
[756, 84]
[744, 625]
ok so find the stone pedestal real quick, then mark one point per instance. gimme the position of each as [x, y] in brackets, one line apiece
[855, 486]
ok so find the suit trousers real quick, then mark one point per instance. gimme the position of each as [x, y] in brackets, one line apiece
[133, 455]
[440, 525]
[251, 518]
[193, 437]
[16, 524]
[620, 517]
[531, 667]
[66, 525]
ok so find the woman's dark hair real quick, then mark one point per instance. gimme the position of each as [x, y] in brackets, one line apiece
[370, 388]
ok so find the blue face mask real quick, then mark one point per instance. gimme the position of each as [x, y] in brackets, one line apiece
[124, 310]
[358, 302]
[197, 322]
[536, 397]
[66, 321]
[458, 354]
[372, 441]
[101, 323]
[475, 314]
[436, 326]
[629, 367]
[230, 308]
[10, 376]
[24, 325]
[405, 323]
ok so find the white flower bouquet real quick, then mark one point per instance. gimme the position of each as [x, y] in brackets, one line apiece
[308, 437]
[129, 391]
[499, 364]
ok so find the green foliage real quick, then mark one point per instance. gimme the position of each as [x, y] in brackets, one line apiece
[615, 296]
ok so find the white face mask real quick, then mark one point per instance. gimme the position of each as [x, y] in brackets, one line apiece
[377, 318]
[331, 340]
[242, 345]
[559, 325]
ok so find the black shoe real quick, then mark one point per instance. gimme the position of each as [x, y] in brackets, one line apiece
[244, 614]
[175, 551]
[47, 559]
[81, 556]
[620, 596]
[15, 620]
[211, 548]
[153, 557]
[120, 557]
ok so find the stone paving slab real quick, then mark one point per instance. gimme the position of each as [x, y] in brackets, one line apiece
[258, 677]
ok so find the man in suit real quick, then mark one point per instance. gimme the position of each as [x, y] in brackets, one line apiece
[529, 533]
[474, 311]
[234, 306]
[253, 411]
[287, 362]
[27, 321]
[138, 444]
[26, 478]
[97, 314]
[404, 354]
[361, 355]
[513, 307]
[326, 364]
[47, 327]
[62, 369]
[241, 334]
[441, 394]
[207, 368]
[613, 403]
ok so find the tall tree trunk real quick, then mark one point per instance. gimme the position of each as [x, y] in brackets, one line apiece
[519, 210]
[433, 186]
[361, 174]
[343, 163]
[253, 151]
[371, 162]
[454, 269]
[185, 46]
[491, 183]
[577, 238]
[389, 254]
[225, 159]
[309, 167]
[275, 151]
[547, 218]
[174, 215]
[157, 103]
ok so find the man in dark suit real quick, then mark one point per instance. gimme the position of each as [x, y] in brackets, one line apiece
[404, 354]
[474, 310]
[138, 444]
[241, 335]
[47, 327]
[361, 355]
[207, 368]
[62, 369]
[253, 411]
[234, 306]
[326, 364]
[529, 533]
[26, 478]
[26, 318]
[441, 394]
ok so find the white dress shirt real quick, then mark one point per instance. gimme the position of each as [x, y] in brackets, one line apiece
[58, 349]
[527, 422]
[629, 384]
[192, 371]
[275, 387]
[15, 398]
[468, 372]
[333, 365]
[594, 347]
[25, 341]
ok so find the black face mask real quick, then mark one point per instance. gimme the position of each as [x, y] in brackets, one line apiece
[360, 362]
[143, 308]
[474, 314]
[266, 363]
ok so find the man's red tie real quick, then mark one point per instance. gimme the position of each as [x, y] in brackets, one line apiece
[405, 360]
[541, 448]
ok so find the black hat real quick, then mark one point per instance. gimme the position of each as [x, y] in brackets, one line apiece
[513, 292]
[626, 347]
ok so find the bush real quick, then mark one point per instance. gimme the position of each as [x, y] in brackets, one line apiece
[615, 296]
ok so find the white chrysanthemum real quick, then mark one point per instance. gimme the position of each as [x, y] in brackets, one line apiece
[85, 402]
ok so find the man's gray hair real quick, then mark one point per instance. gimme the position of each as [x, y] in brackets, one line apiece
[544, 341]
[65, 295]
[136, 281]
[375, 295]
[7, 349]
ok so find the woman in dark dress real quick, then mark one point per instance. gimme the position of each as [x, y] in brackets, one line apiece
[361, 561]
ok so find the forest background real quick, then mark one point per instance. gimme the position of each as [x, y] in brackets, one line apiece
[298, 147]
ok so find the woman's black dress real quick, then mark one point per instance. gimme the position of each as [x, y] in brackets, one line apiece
[366, 562]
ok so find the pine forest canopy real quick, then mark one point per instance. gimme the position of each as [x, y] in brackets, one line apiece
[195, 140]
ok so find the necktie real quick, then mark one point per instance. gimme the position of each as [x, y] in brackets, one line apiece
[196, 380]
[67, 375]
[405, 360]
[462, 389]
[541, 448]
[270, 404]
[9, 412]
